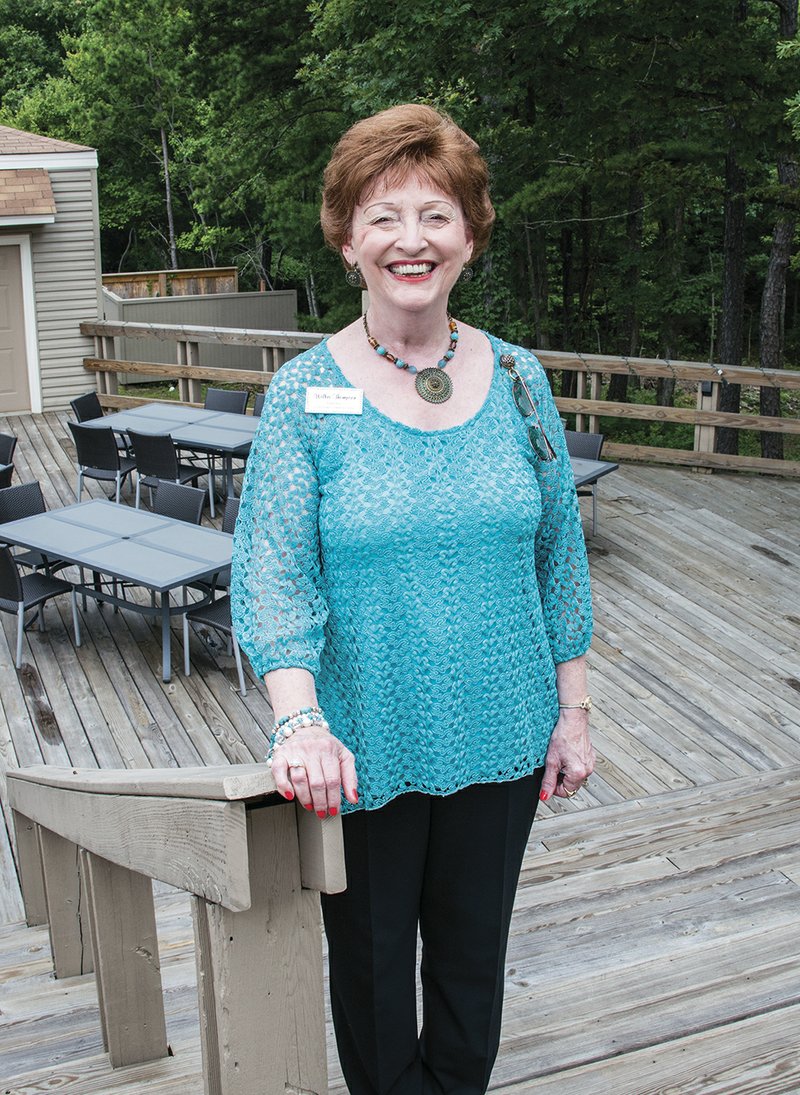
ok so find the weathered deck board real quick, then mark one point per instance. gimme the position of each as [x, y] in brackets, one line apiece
[655, 940]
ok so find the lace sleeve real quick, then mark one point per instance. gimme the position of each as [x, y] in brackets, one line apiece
[277, 605]
[561, 563]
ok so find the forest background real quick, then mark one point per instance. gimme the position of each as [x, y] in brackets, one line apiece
[644, 156]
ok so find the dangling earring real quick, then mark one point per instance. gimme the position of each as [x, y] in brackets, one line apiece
[466, 275]
[353, 276]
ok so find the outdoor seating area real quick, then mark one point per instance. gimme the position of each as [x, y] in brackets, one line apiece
[679, 864]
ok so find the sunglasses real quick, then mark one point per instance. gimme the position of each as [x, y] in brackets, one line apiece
[527, 408]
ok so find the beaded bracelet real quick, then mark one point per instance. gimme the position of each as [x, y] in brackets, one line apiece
[314, 710]
[296, 721]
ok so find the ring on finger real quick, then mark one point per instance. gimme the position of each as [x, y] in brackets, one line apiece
[296, 764]
[569, 794]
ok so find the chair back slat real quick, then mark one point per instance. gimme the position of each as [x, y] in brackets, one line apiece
[10, 581]
[7, 445]
[24, 500]
[154, 454]
[182, 502]
[95, 448]
[86, 407]
[230, 515]
[225, 399]
[584, 446]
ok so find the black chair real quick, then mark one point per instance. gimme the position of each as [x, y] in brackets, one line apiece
[586, 446]
[231, 401]
[178, 501]
[87, 408]
[26, 500]
[6, 475]
[217, 615]
[258, 406]
[157, 462]
[224, 399]
[7, 445]
[99, 458]
[19, 593]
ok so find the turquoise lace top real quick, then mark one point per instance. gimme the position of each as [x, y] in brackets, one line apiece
[429, 579]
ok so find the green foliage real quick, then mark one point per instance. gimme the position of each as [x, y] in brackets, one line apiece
[606, 126]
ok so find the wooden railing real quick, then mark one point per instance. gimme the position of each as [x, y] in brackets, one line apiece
[587, 405]
[88, 845]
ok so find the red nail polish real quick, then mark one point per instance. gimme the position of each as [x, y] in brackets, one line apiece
[289, 795]
[322, 813]
[544, 796]
[309, 806]
[355, 800]
[334, 810]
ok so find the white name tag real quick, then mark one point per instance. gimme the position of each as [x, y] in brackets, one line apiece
[334, 401]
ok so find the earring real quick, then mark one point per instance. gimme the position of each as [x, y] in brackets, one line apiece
[353, 276]
[466, 275]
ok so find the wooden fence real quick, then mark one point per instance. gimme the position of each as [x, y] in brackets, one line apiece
[89, 842]
[587, 405]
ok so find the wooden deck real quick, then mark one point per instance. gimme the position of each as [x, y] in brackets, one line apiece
[655, 940]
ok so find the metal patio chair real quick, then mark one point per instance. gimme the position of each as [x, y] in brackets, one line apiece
[586, 446]
[258, 406]
[21, 592]
[26, 500]
[7, 445]
[6, 475]
[87, 408]
[99, 458]
[157, 462]
[217, 615]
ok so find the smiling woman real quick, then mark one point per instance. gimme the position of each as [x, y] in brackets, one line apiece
[410, 580]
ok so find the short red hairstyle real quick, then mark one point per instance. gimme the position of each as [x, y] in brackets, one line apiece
[398, 142]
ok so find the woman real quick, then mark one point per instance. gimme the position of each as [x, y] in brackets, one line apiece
[410, 580]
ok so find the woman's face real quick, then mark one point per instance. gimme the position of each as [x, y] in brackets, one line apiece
[410, 241]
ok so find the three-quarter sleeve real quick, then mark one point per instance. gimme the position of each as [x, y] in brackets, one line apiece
[277, 603]
[560, 551]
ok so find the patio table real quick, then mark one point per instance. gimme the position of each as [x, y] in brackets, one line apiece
[128, 545]
[589, 471]
[218, 433]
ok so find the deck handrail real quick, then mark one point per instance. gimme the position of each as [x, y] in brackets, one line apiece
[587, 405]
[89, 844]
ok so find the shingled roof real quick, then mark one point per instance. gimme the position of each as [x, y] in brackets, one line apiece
[26, 192]
[16, 142]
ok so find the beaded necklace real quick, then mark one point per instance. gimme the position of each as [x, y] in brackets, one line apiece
[432, 384]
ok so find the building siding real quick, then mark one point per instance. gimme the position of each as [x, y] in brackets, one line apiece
[66, 273]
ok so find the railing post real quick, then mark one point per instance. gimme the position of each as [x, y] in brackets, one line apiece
[127, 968]
[29, 864]
[595, 393]
[262, 1021]
[67, 908]
[189, 388]
[705, 437]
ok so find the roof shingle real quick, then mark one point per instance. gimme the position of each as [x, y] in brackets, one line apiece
[16, 142]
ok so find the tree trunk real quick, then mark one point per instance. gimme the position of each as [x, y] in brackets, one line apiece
[568, 378]
[773, 308]
[732, 318]
[173, 249]
[618, 385]
[665, 387]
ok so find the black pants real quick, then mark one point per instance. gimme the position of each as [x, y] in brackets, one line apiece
[450, 865]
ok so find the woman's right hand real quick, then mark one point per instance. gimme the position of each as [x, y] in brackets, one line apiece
[313, 766]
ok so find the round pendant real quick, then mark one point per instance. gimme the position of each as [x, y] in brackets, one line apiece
[434, 385]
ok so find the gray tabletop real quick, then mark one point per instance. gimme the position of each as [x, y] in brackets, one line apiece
[132, 545]
[589, 471]
[194, 427]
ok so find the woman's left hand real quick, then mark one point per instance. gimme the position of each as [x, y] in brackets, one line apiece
[570, 756]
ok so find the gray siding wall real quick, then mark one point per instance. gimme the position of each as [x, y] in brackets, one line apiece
[66, 274]
[255, 311]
